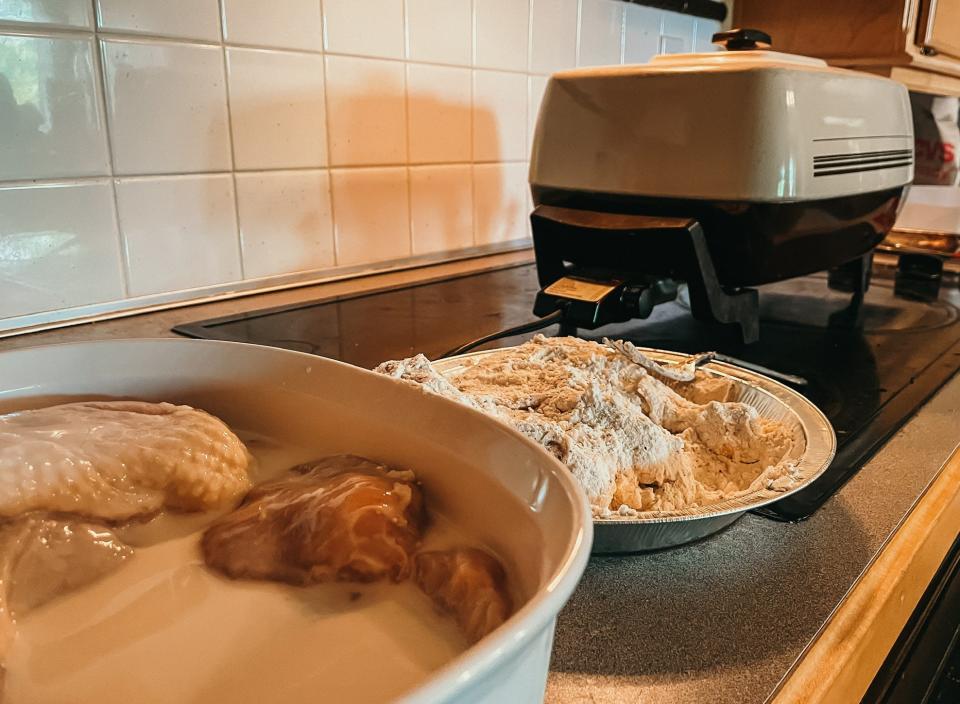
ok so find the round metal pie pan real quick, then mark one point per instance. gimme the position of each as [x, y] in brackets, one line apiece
[657, 530]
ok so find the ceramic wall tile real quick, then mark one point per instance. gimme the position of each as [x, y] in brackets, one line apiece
[366, 111]
[553, 35]
[536, 85]
[500, 211]
[192, 19]
[372, 215]
[285, 223]
[642, 28]
[51, 120]
[277, 113]
[59, 247]
[290, 24]
[499, 116]
[438, 107]
[440, 31]
[441, 208]
[167, 106]
[59, 13]
[677, 34]
[601, 32]
[180, 232]
[703, 33]
[502, 33]
[368, 28]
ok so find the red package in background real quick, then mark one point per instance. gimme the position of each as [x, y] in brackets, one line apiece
[936, 139]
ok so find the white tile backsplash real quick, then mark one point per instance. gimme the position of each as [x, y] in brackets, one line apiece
[553, 35]
[500, 211]
[180, 232]
[277, 112]
[440, 31]
[366, 111]
[601, 32]
[501, 32]
[676, 37]
[243, 140]
[59, 247]
[499, 116]
[191, 19]
[285, 222]
[282, 24]
[536, 85]
[372, 215]
[441, 208]
[55, 13]
[50, 128]
[438, 107]
[702, 34]
[368, 28]
[167, 107]
[642, 35]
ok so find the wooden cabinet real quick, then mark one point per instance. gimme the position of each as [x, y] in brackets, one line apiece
[914, 41]
[939, 27]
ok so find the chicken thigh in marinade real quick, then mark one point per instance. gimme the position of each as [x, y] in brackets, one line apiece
[116, 460]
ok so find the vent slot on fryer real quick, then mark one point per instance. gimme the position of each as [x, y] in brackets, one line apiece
[836, 164]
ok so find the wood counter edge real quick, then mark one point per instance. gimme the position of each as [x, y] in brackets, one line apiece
[844, 658]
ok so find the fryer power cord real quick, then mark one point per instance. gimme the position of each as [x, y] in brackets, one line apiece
[551, 319]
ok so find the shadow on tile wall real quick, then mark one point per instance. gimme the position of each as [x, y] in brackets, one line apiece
[381, 202]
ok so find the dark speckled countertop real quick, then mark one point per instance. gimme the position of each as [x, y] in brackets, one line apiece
[722, 620]
[725, 619]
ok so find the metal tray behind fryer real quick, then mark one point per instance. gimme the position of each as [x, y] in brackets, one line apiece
[658, 530]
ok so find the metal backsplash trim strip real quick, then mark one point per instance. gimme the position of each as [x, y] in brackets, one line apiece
[64, 317]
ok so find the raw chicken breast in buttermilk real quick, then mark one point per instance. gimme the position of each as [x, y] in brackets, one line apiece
[116, 460]
[468, 583]
[42, 557]
[341, 518]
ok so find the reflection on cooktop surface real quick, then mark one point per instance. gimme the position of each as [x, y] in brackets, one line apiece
[870, 363]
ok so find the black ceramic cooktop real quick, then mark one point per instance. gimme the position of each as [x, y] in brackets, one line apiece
[870, 364]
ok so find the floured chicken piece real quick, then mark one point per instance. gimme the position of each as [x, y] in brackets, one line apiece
[115, 460]
[635, 437]
[470, 584]
[341, 518]
[42, 557]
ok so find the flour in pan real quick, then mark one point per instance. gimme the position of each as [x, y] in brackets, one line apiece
[635, 439]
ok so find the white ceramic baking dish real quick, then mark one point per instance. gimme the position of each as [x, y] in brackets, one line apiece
[500, 486]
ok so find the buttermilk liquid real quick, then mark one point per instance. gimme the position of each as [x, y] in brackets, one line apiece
[165, 628]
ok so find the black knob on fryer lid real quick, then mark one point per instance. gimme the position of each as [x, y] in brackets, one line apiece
[742, 39]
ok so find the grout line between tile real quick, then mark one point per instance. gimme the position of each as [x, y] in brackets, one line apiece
[406, 32]
[45, 31]
[530, 35]
[406, 135]
[101, 87]
[70, 180]
[472, 121]
[233, 149]
[326, 133]
[623, 33]
[473, 33]
[576, 57]
[324, 39]
[473, 124]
